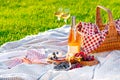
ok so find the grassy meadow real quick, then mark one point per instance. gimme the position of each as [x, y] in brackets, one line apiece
[19, 18]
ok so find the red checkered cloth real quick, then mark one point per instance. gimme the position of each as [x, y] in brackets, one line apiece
[117, 22]
[91, 42]
[92, 36]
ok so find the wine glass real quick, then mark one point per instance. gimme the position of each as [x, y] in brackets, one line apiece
[59, 13]
[65, 15]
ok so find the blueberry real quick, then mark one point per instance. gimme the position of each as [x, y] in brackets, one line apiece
[61, 66]
[57, 52]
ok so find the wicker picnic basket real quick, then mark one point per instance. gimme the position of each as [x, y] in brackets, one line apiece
[112, 40]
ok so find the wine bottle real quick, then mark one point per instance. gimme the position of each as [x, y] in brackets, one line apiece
[74, 39]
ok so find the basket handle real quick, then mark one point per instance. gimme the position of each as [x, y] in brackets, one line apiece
[111, 21]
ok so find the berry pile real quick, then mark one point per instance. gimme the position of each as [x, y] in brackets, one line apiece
[77, 65]
[62, 66]
[84, 57]
[81, 56]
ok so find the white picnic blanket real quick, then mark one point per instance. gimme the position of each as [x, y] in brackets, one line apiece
[52, 40]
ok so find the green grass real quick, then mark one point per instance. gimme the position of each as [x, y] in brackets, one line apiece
[19, 18]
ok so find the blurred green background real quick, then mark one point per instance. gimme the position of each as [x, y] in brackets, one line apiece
[19, 18]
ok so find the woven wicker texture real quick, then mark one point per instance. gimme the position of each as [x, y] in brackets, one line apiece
[112, 41]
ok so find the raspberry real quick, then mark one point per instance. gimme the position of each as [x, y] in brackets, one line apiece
[93, 58]
[82, 53]
[76, 55]
[84, 56]
[77, 65]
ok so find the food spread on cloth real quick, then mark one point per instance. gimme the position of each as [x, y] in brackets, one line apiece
[75, 55]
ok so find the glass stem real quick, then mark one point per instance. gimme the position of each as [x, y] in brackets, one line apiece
[65, 20]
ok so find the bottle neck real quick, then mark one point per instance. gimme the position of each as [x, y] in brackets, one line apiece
[73, 26]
